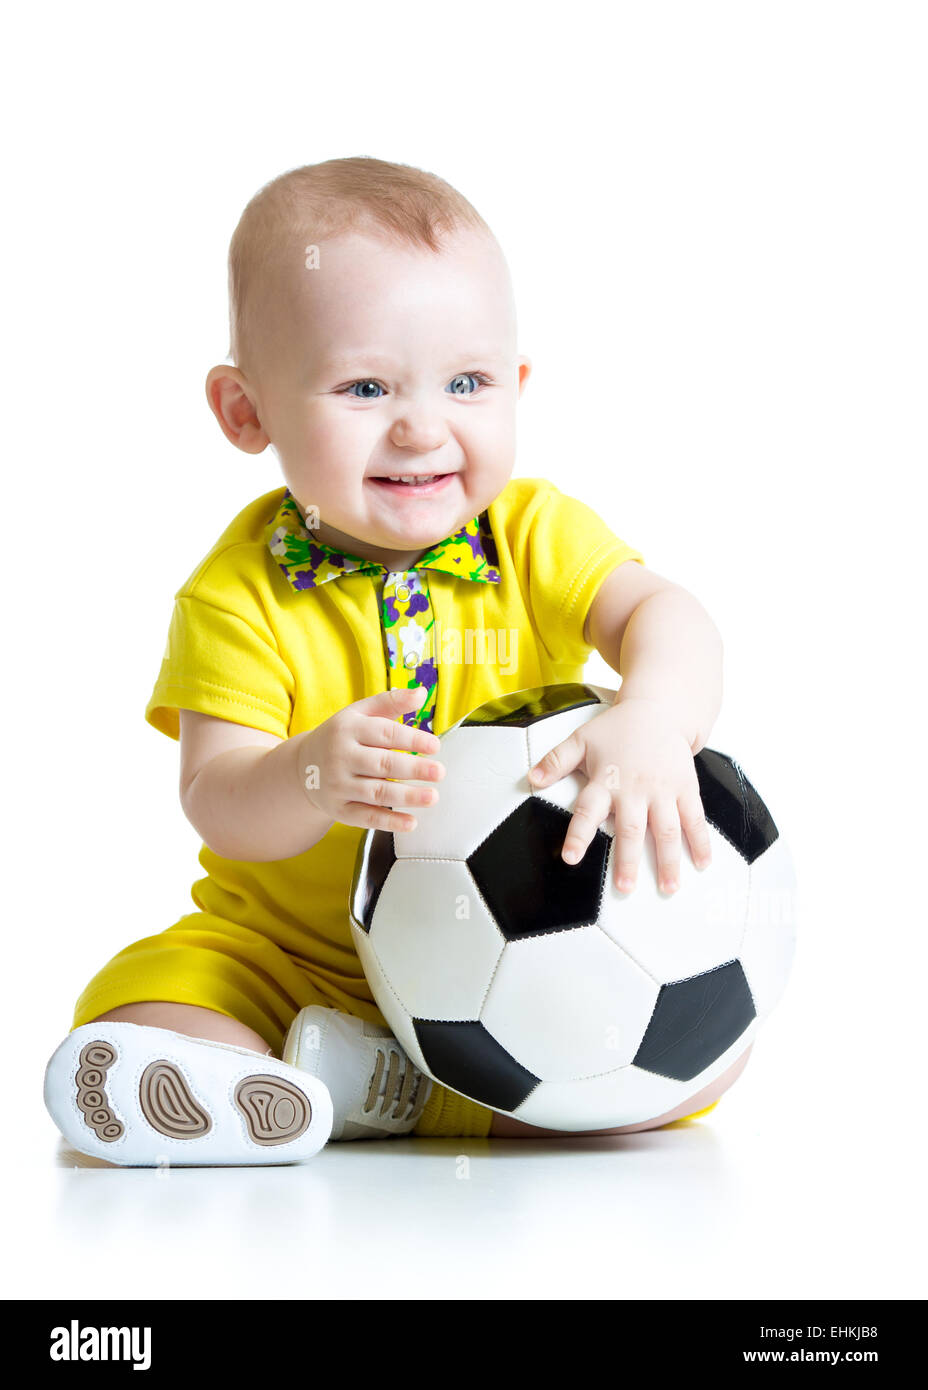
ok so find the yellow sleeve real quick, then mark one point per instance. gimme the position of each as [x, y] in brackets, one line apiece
[220, 664]
[571, 550]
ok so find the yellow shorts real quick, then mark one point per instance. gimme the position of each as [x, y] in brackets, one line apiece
[203, 959]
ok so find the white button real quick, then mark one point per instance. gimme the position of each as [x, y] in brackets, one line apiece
[410, 659]
[402, 591]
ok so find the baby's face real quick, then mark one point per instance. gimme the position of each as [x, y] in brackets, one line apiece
[389, 359]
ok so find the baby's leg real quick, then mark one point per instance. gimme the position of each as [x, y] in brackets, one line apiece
[505, 1126]
[137, 1081]
[191, 1019]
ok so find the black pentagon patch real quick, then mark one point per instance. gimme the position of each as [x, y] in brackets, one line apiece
[525, 883]
[375, 858]
[694, 1021]
[467, 1058]
[733, 806]
[524, 707]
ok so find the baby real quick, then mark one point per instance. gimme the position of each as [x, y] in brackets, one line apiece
[373, 332]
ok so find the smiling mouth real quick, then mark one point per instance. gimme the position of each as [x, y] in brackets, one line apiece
[412, 482]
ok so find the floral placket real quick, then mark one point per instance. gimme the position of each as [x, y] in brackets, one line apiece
[405, 606]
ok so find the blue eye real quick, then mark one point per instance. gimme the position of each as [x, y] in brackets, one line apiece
[366, 396]
[456, 384]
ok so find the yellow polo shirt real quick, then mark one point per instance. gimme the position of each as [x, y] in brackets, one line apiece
[280, 639]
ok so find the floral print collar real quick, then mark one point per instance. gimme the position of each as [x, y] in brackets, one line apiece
[305, 563]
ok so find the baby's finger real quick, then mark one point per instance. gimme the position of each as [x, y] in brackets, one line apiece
[665, 827]
[368, 817]
[374, 732]
[590, 810]
[693, 821]
[631, 823]
[378, 792]
[387, 763]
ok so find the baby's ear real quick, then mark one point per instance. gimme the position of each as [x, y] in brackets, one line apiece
[525, 371]
[230, 400]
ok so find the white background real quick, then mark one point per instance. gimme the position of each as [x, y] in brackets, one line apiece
[716, 219]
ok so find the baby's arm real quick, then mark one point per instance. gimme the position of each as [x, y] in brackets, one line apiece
[239, 790]
[246, 792]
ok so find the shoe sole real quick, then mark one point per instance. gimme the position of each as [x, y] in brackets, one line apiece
[270, 1111]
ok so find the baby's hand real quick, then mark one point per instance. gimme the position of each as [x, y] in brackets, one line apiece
[349, 758]
[638, 765]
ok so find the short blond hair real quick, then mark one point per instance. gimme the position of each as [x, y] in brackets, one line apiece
[324, 200]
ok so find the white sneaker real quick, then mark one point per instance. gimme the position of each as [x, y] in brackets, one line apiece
[361, 1064]
[146, 1097]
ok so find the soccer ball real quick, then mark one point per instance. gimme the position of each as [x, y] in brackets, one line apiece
[537, 988]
